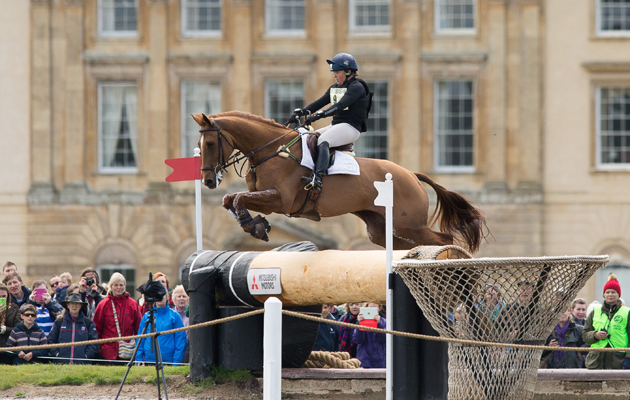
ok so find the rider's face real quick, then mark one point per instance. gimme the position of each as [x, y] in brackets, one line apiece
[340, 77]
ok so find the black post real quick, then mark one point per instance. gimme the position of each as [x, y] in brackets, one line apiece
[420, 366]
[203, 355]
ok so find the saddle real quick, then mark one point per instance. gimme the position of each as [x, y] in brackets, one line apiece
[311, 142]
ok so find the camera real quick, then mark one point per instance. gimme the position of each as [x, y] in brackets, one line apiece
[89, 281]
[153, 291]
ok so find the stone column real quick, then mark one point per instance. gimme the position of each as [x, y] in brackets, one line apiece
[530, 162]
[241, 79]
[326, 47]
[74, 88]
[15, 96]
[41, 97]
[156, 95]
[514, 64]
[406, 92]
[494, 164]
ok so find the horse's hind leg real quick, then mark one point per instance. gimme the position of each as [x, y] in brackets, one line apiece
[375, 224]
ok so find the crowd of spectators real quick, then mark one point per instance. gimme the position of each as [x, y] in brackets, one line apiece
[86, 310]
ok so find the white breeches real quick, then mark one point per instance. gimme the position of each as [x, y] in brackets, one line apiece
[338, 135]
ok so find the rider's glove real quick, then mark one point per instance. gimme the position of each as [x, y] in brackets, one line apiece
[297, 113]
[315, 117]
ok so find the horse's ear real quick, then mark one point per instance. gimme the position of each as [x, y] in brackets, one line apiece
[201, 119]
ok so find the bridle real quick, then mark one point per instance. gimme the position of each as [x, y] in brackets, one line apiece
[223, 164]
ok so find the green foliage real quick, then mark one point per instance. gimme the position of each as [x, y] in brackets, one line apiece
[222, 375]
[64, 374]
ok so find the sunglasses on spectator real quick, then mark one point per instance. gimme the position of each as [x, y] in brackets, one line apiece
[29, 315]
[54, 284]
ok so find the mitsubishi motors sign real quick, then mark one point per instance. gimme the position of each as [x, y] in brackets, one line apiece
[264, 281]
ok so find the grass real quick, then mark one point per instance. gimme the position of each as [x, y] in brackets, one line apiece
[48, 375]
[55, 375]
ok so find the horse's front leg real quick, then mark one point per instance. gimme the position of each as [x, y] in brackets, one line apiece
[267, 201]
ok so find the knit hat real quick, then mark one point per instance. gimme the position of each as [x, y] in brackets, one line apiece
[613, 284]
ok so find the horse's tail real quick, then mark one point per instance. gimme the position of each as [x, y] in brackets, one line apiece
[456, 216]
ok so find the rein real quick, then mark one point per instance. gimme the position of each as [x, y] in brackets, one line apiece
[238, 156]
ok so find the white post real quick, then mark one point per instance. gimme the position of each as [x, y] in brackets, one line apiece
[198, 207]
[385, 198]
[272, 350]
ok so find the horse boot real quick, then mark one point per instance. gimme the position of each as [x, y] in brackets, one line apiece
[323, 159]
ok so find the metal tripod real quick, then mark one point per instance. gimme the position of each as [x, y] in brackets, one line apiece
[159, 367]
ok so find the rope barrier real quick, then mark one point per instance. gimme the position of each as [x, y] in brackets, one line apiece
[451, 340]
[316, 319]
[127, 338]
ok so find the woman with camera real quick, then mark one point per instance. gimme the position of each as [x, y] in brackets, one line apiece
[607, 326]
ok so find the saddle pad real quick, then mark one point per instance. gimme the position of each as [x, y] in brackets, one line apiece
[344, 164]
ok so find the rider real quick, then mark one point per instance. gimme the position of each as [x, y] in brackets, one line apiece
[351, 101]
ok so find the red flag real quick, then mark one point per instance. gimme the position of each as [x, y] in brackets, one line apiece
[184, 169]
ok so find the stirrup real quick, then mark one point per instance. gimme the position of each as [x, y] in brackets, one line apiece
[313, 184]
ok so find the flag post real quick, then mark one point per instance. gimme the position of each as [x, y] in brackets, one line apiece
[198, 201]
[189, 169]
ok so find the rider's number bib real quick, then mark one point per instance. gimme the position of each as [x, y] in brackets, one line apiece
[336, 94]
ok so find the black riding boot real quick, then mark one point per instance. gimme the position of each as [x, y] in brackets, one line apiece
[323, 158]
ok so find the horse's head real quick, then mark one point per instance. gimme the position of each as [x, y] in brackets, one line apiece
[215, 149]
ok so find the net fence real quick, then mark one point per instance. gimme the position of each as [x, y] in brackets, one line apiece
[505, 300]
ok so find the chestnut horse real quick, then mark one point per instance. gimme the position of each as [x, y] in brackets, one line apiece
[274, 186]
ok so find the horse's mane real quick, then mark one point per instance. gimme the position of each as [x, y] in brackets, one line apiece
[251, 117]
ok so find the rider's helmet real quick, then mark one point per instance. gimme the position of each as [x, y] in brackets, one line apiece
[343, 61]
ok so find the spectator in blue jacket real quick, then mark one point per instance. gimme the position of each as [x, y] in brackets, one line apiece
[172, 346]
[73, 327]
[371, 345]
[27, 333]
[328, 334]
[47, 308]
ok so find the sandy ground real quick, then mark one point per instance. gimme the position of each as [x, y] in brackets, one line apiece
[177, 388]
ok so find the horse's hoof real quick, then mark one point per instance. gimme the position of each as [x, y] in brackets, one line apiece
[259, 232]
[259, 219]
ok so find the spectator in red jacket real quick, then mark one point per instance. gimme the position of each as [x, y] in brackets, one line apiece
[127, 312]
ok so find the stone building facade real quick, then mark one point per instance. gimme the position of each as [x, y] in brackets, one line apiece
[495, 99]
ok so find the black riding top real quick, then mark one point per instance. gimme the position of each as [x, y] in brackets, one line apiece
[351, 102]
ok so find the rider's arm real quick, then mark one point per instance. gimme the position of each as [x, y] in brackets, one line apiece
[317, 104]
[354, 92]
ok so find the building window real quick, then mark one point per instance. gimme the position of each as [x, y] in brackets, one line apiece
[284, 17]
[373, 143]
[197, 97]
[453, 122]
[613, 127]
[369, 16]
[455, 16]
[106, 271]
[613, 17]
[281, 98]
[117, 114]
[201, 17]
[118, 17]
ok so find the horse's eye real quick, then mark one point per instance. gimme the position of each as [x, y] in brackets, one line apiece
[210, 144]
